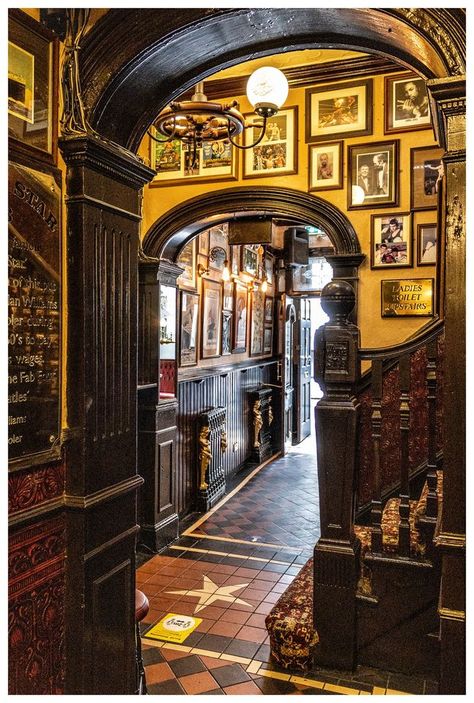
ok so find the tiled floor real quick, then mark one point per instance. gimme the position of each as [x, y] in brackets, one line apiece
[229, 569]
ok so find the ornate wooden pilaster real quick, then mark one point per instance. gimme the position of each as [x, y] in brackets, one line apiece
[103, 219]
[336, 555]
[448, 98]
[212, 443]
[261, 418]
[158, 518]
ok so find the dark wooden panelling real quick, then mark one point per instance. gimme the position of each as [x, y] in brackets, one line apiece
[229, 390]
[36, 585]
[32, 487]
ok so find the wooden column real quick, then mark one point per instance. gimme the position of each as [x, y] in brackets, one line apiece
[336, 555]
[345, 267]
[103, 220]
[449, 102]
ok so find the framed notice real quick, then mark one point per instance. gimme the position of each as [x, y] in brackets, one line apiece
[176, 163]
[411, 297]
[276, 154]
[32, 81]
[34, 316]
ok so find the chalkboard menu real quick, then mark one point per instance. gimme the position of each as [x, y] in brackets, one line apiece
[34, 342]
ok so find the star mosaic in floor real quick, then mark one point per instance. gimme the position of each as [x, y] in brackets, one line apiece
[231, 583]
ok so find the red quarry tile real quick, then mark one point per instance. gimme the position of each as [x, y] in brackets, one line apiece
[249, 573]
[235, 580]
[269, 576]
[252, 605]
[237, 616]
[243, 689]
[205, 625]
[252, 634]
[160, 579]
[198, 683]
[212, 663]
[256, 620]
[286, 578]
[210, 612]
[260, 585]
[280, 587]
[223, 569]
[228, 629]
[264, 608]
[272, 597]
[171, 570]
[155, 673]
[163, 603]
[252, 594]
[172, 654]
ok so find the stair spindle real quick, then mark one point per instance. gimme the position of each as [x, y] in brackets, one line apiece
[432, 383]
[404, 525]
[376, 420]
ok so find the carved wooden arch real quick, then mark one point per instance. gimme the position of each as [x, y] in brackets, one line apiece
[156, 54]
[171, 231]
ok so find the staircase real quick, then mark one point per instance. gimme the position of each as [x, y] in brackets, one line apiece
[372, 588]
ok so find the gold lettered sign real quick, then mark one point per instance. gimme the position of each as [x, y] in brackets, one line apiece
[411, 297]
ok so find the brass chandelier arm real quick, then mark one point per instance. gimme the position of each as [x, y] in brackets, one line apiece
[250, 146]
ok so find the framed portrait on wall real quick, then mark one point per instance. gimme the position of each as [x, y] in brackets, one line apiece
[268, 339]
[240, 317]
[268, 265]
[427, 244]
[325, 166]
[276, 154]
[226, 332]
[175, 163]
[249, 259]
[32, 79]
[391, 241]
[406, 103]
[187, 258]
[373, 175]
[211, 318]
[189, 329]
[235, 259]
[427, 171]
[227, 293]
[268, 309]
[339, 111]
[257, 323]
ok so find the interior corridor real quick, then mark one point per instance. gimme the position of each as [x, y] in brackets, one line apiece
[228, 569]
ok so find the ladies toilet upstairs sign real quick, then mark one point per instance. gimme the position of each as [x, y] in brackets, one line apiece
[409, 298]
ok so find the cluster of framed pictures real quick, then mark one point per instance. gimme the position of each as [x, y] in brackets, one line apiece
[391, 241]
[227, 317]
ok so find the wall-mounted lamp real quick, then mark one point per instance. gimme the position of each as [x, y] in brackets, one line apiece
[202, 270]
[264, 285]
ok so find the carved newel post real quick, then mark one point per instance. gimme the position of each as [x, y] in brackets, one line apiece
[336, 555]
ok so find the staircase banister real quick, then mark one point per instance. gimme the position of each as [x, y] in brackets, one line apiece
[423, 337]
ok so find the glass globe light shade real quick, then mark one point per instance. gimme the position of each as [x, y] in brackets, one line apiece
[358, 195]
[267, 90]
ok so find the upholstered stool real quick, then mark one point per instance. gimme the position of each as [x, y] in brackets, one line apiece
[141, 610]
[290, 623]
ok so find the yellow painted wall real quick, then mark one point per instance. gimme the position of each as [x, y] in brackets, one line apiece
[375, 331]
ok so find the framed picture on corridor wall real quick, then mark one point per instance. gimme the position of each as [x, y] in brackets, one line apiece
[427, 171]
[240, 317]
[427, 241]
[276, 154]
[373, 175]
[339, 111]
[211, 318]
[391, 241]
[256, 329]
[189, 329]
[406, 103]
[325, 166]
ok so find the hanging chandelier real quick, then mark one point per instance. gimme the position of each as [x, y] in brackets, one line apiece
[198, 120]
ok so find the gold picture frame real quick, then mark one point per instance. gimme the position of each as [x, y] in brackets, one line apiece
[391, 241]
[276, 154]
[373, 178]
[406, 103]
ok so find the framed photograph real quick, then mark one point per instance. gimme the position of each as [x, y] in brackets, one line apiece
[257, 323]
[227, 293]
[226, 332]
[240, 317]
[189, 326]
[373, 175]
[235, 259]
[268, 309]
[406, 103]
[426, 169]
[268, 339]
[175, 163]
[413, 297]
[391, 241]
[204, 243]
[249, 259]
[339, 111]
[325, 166]
[276, 154]
[427, 240]
[211, 318]
[218, 247]
[187, 258]
[268, 263]
[32, 77]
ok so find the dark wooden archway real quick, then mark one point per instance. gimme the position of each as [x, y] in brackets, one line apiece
[173, 229]
[155, 54]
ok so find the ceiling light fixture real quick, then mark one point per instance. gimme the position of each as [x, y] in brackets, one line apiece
[197, 120]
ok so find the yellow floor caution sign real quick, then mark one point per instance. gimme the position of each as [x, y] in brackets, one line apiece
[173, 628]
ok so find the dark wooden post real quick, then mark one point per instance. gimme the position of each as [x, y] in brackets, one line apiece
[336, 555]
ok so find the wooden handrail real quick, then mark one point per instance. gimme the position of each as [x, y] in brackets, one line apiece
[407, 347]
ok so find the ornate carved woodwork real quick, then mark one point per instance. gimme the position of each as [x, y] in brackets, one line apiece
[260, 401]
[36, 590]
[336, 555]
[32, 488]
[211, 427]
